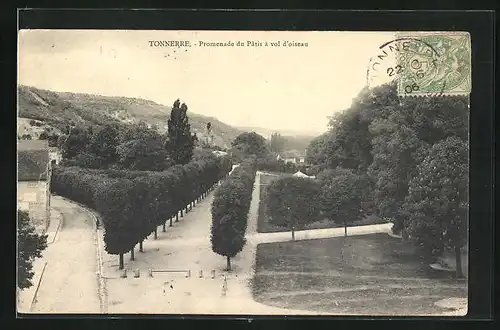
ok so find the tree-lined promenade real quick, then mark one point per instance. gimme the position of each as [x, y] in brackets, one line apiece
[403, 160]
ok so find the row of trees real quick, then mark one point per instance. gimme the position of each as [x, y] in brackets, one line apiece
[402, 145]
[132, 204]
[338, 195]
[230, 209]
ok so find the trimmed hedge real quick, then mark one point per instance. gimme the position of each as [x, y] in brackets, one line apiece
[133, 204]
[230, 208]
[293, 202]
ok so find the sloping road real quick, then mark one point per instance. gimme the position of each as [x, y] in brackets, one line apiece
[70, 282]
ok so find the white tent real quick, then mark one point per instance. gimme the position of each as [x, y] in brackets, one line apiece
[302, 175]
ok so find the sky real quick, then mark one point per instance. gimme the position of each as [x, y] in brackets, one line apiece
[277, 87]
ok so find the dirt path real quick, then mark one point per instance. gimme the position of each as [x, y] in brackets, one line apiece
[69, 283]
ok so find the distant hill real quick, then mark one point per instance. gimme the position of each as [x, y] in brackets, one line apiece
[57, 109]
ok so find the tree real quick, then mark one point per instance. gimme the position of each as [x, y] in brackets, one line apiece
[180, 141]
[397, 151]
[249, 143]
[74, 142]
[277, 143]
[229, 210]
[437, 205]
[316, 153]
[113, 202]
[342, 195]
[146, 154]
[43, 136]
[103, 145]
[30, 246]
[293, 202]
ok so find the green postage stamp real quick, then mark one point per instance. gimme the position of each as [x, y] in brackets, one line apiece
[433, 63]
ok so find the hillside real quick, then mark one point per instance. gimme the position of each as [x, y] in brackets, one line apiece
[56, 110]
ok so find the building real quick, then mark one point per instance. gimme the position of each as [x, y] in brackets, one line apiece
[33, 181]
[55, 156]
[219, 153]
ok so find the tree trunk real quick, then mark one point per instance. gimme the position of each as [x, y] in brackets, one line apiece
[164, 229]
[182, 214]
[156, 233]
[345, 228]
[293, 233]
[140, 247]
[228, 260]
[458, 261]
[171, 218]
[121, 261]
[132, 255]
[177, 217]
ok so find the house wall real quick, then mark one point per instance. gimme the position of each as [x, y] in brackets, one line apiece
[34, 197]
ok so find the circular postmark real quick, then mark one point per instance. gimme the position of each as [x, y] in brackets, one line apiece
[414, 64]
[430, 64]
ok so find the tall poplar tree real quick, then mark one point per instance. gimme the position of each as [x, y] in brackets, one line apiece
[180, 141]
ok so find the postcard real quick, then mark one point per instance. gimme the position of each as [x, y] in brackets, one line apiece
[243, 172]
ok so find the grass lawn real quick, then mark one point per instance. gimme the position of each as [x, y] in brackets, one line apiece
[264, 226]
[373, 274]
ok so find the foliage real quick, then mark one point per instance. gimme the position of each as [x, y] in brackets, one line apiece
[316, 153]
[75, 142]
[277, 143]
[103, 145]
[342, 195]
[293, 201]
[133, 203]
[249, 144]
[229, 210]
[436, 207]
[146, 154]
[114, 202]
[30, 246]
[180, 141]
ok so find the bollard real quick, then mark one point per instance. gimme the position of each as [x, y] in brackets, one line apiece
[213, 273]
[150, 272]
[137, 273]
[124, 274]
[201, 273]
[188, 273]
[224, 287]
